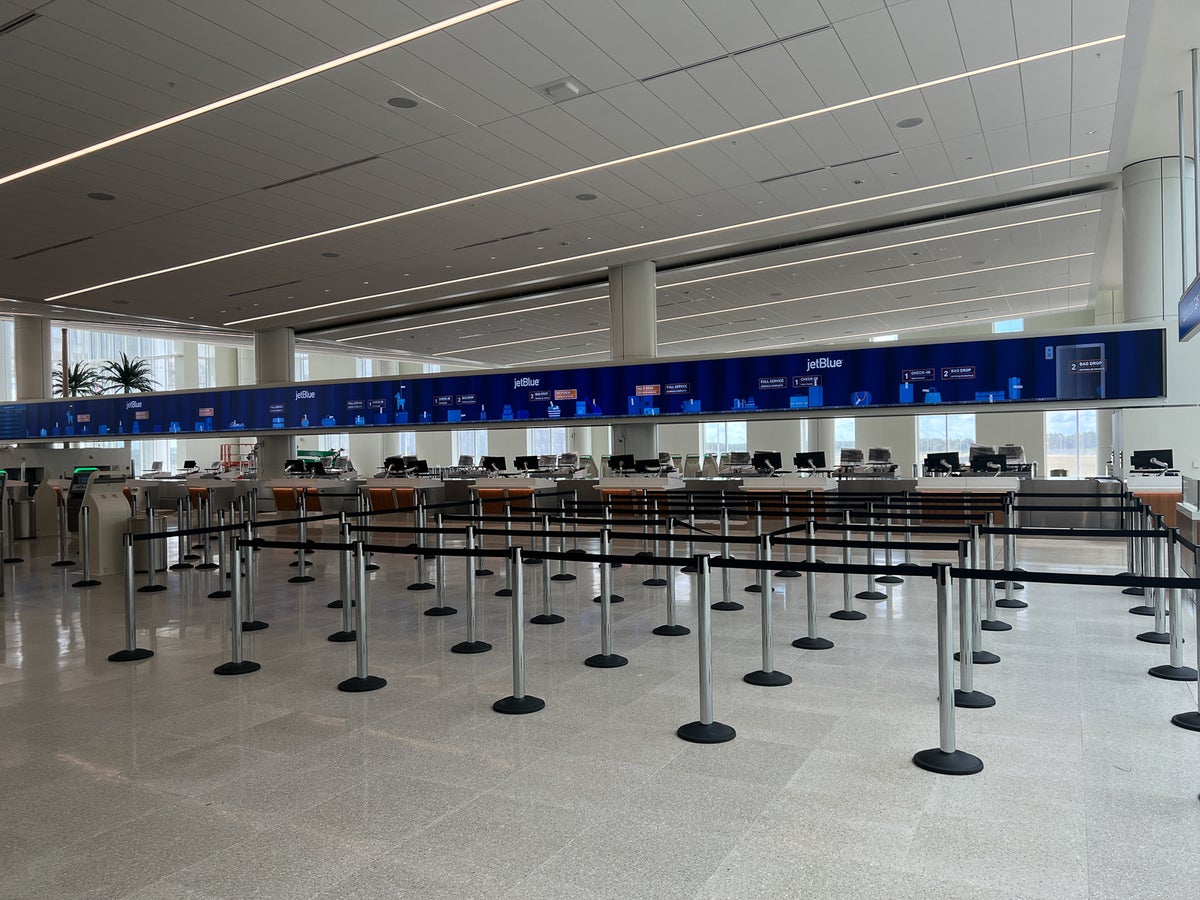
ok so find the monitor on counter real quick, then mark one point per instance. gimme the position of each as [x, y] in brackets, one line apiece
[420, 467]
[1152, 460]
[851, 456]
[767, 461]
[493, 463]
[942, 462]
[812, 459]
[1012, 453]
[879, 455]
[621, 463]
[190, 464]
[647, 466]
[294, 466]
[525, 463]
[988, 463]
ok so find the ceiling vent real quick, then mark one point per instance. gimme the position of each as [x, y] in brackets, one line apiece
[268, 287]
[53, 247]
[563, 89]
[326, 171]
[736, 53]
[13, 24]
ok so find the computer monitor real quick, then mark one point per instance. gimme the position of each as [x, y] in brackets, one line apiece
[621, 463]
[190, 464]
[1152, 460]
[314, 467]
[1012, 453]
[939, 463]
[394, 465]
[493, 463]
[879, 455]
[850, 456]
[525, 463]
[812, 459]
[419, 467]
[293, 466]
[988, 463]
[156, 466]
[465, 461]
[647, 466]
[981, 450]
[767, 461]
[738, 458]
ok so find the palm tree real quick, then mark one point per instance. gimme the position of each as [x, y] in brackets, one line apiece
[82, 380]
[127, 376]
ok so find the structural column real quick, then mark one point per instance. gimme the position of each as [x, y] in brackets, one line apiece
[633, 330]
[31, 351]
[274, 363]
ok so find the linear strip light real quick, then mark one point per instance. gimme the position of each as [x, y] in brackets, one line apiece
[865, 250]
[261, 89]
[875, 287]
[794, 263]
[881, 312]
[574, 173]
[645, 245]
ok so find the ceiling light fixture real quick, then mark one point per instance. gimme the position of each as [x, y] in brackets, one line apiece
[261, 89]
[644, 245]
[596, 167]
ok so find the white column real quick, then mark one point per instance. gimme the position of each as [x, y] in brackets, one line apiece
[225, 360]
[31, 351]
[274, 362]
[633, 335]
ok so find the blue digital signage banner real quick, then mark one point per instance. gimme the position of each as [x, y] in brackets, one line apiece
[1121, 365]
[1189, 311]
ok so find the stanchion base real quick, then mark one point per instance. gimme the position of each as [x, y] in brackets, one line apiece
[788, 573]
[86, 582]
[1141, 610]
[471, 647]
[181, 566]
[1016, 586]
[973, 699]
[612, 598]
[1188, 720]
[655, 582]
[1134, 592]
[754, 589]
[421, 586]
[672, 630]
[254, 625]
[1012, 604]
[1173, 673]
[441, 611]
[59, 563]
[504, 592]
[358, 685]
[889, 579]
[1155, 637]
[877, 596]
[643, 553]
[130, 655]
[519, 706]
[767, 679]
[994, 625]
[192, 557]
[343, 637]
[245, 667]
[980, 658]
[562, 576]
[727, 606]
[943, 763]
[547, 619]
[151, 588]
[606, 661]
[712, 733]
[812, 643]
[301, 579]
[207, 567]
[483, 573]
[219, 595]
[372, 567]
[618, 565]
[848, 615]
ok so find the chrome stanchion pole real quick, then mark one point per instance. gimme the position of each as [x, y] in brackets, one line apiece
[221, 593]
[440, 608]
[991, 623]
[1009, 601]
[655, 579]
[946, 758]
[62, 560]
[967, 696]
[239, 665]
[361, 682]
[980, 656]
[132, 652]
[11, 533]
[151, 586]
[85, 548]
[472, 644]
[519, 703]
[245, 559]
[691, 506]
[547, 616]
[203, 544]
[506, 591]
[181, 537]
[889, 578]
[907, 529]
[345, 600]
[562, 574]
[612, 597]
[758, 530]
[301, 563]
[705, 730]
[483, 571]
[672, 628]
[1138, 566]
[785, 572]
[726, 602]
[766, 676]
[811, 641]
[870, 593]
[1157, 552]
[1175, 670]
[847, 613]
[605, 659]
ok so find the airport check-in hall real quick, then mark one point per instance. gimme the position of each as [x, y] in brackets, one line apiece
[596, 448]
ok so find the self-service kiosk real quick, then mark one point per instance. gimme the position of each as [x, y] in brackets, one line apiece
[108, 520]
[78, 487]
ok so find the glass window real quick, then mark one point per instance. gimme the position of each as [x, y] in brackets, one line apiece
[408, 443]
[546, 441]
[723, 437]
[301, 367]
[470, 443]
[1072, 444]
[1007, 326]
[943, 434]
[145, 453]
[843, 435]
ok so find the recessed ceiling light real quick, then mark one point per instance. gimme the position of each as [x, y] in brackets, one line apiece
[911, 122]
[100, 195]
[585, 197]
[330, 254]
[402, 102]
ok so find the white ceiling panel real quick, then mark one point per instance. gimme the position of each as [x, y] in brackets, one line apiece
[837, 10]
[872, 42]
[1042, 25]
[1094, 19]
[999, 99]
[985, 32]
[830, 71]
[737, 24]
[676, 29]
[611, 28]
[927, 33]
[780, 80]
[727, 83]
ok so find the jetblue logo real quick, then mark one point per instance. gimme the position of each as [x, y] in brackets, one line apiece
[824, 362]
[527, 382]
[306, 395]
[134, 404]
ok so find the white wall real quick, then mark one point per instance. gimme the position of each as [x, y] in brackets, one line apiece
[1027, 428]
[896, 432]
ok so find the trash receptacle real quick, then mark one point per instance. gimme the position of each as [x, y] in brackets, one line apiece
[141, 549]
[24, 520]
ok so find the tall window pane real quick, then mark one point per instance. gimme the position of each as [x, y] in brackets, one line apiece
[843, 435]
[723, 437]
[1072, 444]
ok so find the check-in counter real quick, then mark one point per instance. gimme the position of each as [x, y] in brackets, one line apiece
[1187, 520]
[1089, 495]
[1162, 493]
[321, 495]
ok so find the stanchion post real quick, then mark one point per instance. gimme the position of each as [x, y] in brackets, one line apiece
[1157, 551]
[870, 593]
[605, 659]
[345, 601]
[151, 586]
[811, 641]
[991, 622]
[756, 586]
[181, 537]
[785, 572]
[132, 651]
[726, 603]
[361, 681]
[1175, 670]
[10, 534]
[966, 696]
[519, 703]
[1009, 601]
[62, 560]
[562, 574]
[705, 730]
[655, 579]
[766, 676]
[245, 560]
[440, 608]
[482, 571]
[847, 613]
[85, 548]
[472, 644]
[221, 593]
[672, 628]
[547, 616]
[888, 578]
[946, 758]
[238, 665]
[981, 657]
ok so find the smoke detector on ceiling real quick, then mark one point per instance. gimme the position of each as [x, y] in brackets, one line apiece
[562, 89]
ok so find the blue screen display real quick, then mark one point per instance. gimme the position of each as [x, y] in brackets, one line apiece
[1189, 311]
[1119, 365]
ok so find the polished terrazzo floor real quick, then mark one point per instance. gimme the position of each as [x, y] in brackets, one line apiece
[158, 779]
